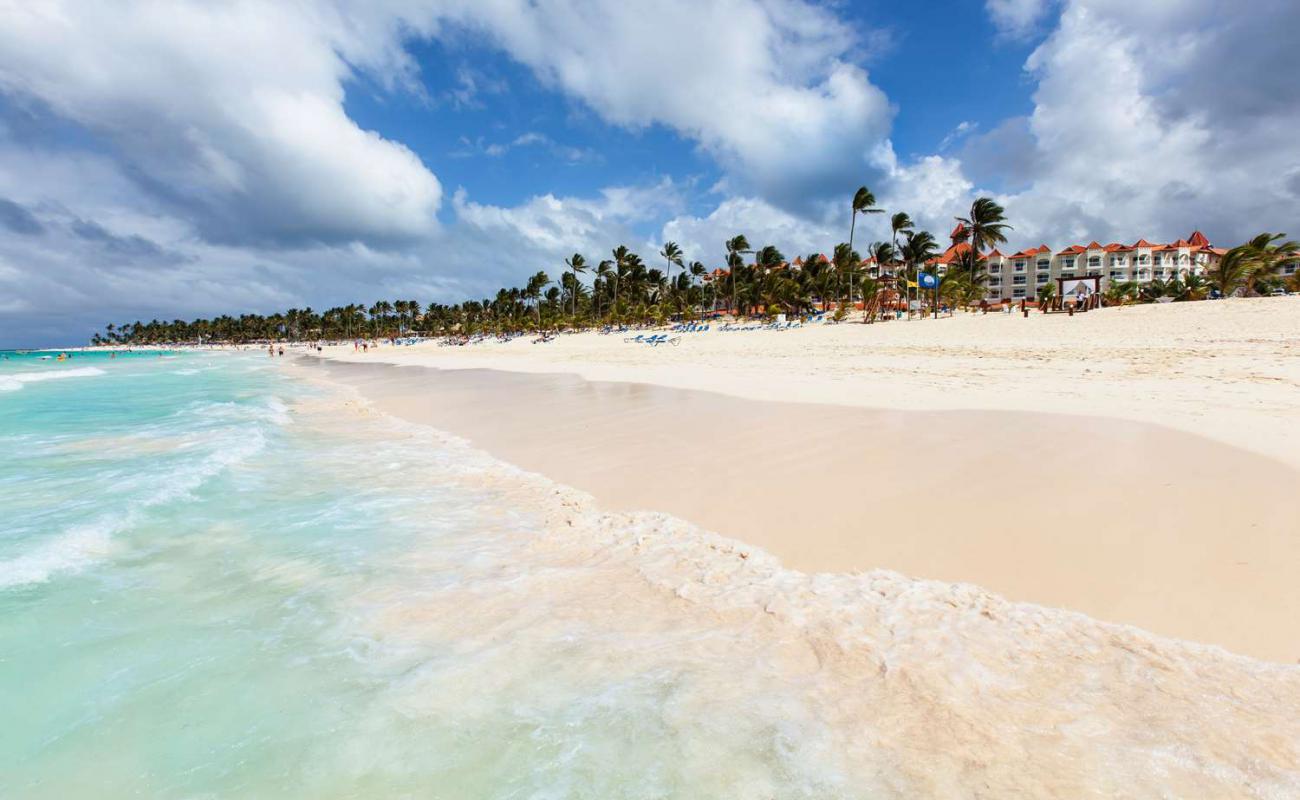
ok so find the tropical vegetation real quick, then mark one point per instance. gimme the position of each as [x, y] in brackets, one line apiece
[880, 280]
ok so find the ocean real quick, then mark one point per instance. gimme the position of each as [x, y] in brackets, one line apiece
[218, 581]
[220, 577]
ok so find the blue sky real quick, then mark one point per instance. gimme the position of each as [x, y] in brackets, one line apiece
[190, 158]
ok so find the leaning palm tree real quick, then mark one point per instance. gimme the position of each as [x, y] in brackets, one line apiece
[1232, 273]
[1266, 252]
[985, 226]
[864, 202]
[576, 263]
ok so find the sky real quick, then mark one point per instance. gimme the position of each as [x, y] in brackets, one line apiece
[189, 158]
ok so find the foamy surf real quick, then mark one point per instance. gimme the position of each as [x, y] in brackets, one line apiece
[907, 687]
[14, 381]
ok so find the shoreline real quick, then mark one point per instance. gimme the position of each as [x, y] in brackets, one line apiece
[1226, 370]
[1162, 566]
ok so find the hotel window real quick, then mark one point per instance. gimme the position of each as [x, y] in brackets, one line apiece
[1117, 275]
[1160, 259]
[1143, 274]
[1020, 266]
[1067, 275]
[995, 268]
[1142, 259]
[1044, 278]
[1117, 261]
[1018, 293]
[1288, 269]
[1018, 280]
[1044, 264]
[1182, 259]
[1094, 261]
[1067, 263]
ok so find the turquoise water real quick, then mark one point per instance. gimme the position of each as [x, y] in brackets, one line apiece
[218, 579]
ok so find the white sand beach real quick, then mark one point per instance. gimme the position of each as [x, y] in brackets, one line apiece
[1104, 463]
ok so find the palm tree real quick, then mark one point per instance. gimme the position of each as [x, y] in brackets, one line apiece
[603, 272]
[621, 255]
[1195, 286]
[917, 251]
[697, 272]
[1046, 294]
[533, 291]
[985, 226]
[1267, 251]
[736, 245]
[1232, 273]
[864, 202]
[883, 253]
[576, 264]
[673, 255]
[845, 261]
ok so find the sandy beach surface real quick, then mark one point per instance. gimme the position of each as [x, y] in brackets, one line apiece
[1136, 464]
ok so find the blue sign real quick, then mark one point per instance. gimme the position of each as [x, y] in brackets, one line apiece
[927, 281]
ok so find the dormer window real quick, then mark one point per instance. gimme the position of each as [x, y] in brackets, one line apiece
[1067, 263]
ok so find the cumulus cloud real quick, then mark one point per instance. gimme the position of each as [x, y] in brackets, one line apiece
[231, 112]
[1129, 138]
[770, 89]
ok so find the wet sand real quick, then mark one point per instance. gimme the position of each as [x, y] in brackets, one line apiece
[1125, 521]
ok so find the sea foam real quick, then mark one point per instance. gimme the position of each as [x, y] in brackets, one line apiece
[16, 381]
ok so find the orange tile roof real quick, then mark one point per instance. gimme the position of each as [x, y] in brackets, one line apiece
[957, 231]
[1197, 238]
[1094, 245]
[1142, 243]
[1073, 249]
[1116, 247]
[952, 253]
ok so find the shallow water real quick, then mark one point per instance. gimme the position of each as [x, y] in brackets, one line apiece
[218, 579]
[203, 593]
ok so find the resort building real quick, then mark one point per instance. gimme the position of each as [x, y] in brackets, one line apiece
[1018, 275]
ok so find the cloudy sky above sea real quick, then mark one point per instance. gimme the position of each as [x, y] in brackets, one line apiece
[164, 160]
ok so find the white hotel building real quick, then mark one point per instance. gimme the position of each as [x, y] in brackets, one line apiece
[1018, 276]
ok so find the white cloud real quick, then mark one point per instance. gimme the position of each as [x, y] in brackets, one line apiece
[1018, 18]
[768, 88]
[231, 111]
[1151, 119]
